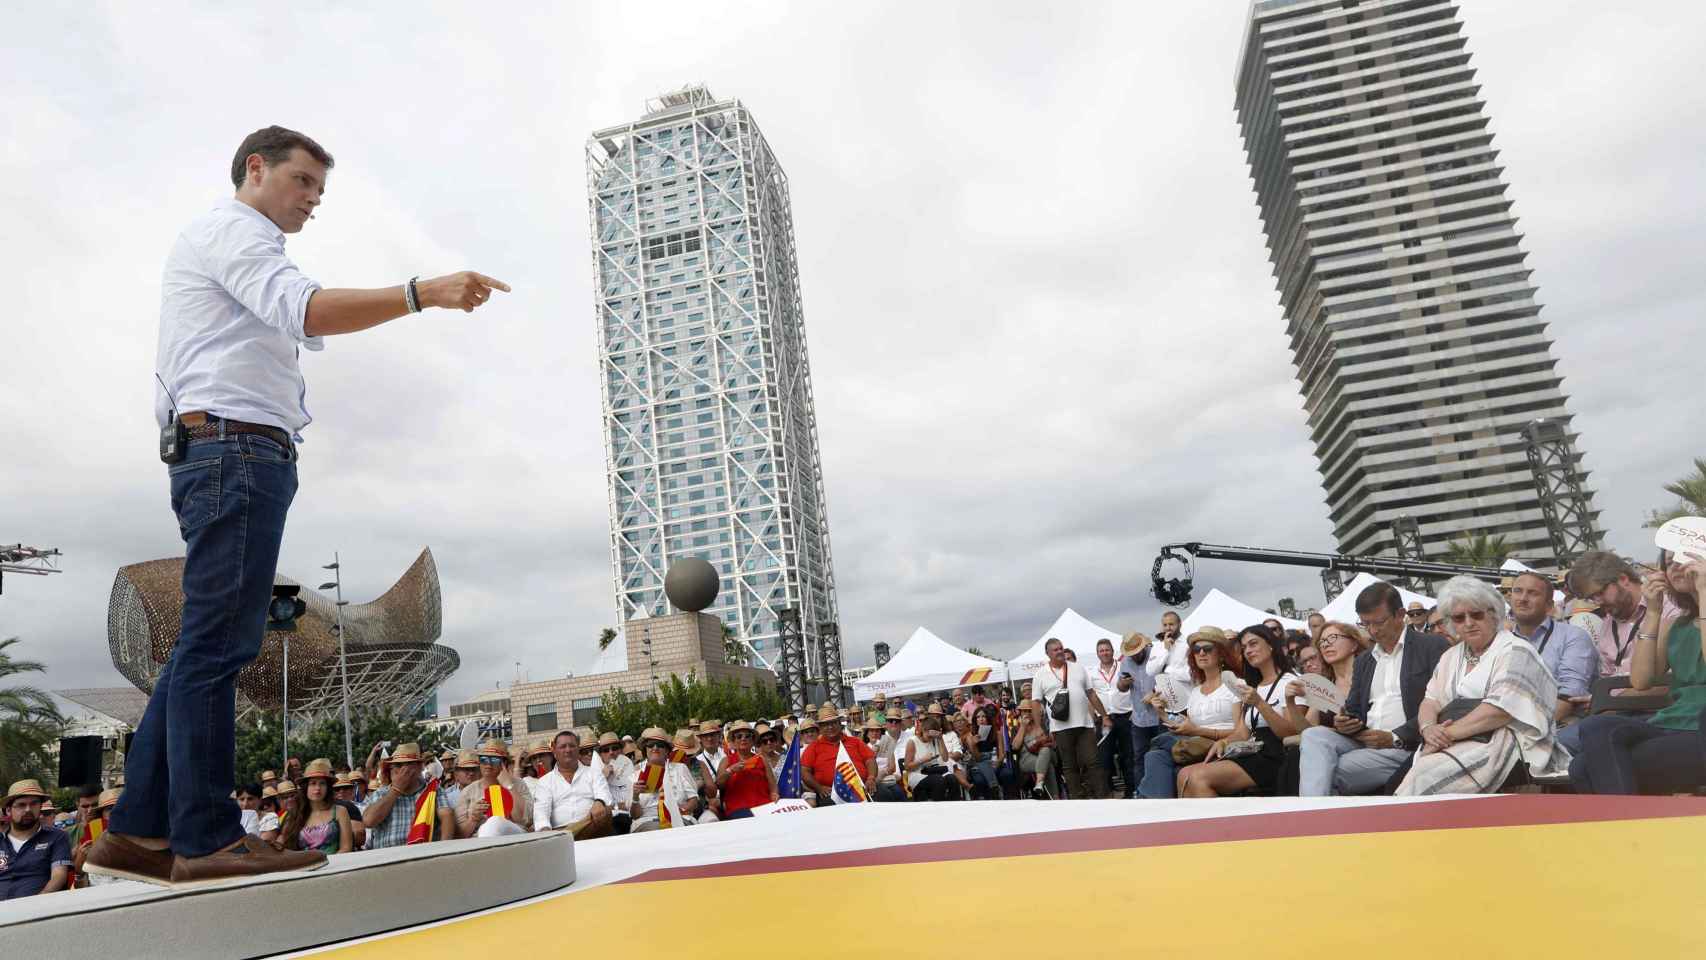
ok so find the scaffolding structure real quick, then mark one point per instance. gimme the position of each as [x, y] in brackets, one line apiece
[1565, 503]
[793, 665]
[1407, 540]
[35, 561]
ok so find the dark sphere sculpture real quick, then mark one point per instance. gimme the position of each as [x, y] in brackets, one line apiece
[691, 584]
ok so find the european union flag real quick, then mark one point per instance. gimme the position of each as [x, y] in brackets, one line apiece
[788, 781]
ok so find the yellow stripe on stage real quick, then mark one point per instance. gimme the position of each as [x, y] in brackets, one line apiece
[1428, 894]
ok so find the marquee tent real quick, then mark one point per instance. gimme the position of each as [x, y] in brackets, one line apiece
[927, 662]
[1071, 628]
[1219, 610]
[1343, 607]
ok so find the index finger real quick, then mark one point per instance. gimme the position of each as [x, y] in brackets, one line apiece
[494, 284]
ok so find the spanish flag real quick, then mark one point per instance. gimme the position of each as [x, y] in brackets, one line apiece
[426, 815]
[93, 829]
[502, 801]
[974, 675]
[651, 781]
[651, 778]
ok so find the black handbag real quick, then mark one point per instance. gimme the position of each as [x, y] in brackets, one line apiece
[1060, 705]
[1460, 708]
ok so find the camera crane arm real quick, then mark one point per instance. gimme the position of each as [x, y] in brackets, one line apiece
[1177, 590]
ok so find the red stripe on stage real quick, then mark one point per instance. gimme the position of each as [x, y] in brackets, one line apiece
[1505, 810]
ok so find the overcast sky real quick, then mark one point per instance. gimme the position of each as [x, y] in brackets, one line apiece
[1043, 327]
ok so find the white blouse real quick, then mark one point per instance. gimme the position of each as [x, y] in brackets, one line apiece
[1212, 711]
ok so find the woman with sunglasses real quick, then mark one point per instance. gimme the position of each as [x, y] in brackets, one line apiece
[1266, 719]
[474, 809]
[1209, 712]
[1661, 754]
[744, 778]
[1496, 697]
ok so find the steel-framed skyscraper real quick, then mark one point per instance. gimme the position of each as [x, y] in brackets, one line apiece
[1414, 330]
[710, 435]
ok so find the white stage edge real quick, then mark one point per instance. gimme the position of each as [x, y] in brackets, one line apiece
[250, 917]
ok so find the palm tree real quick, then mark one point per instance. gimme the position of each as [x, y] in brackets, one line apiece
[733, 650]
[605, 638]
[1478, 550]
[1690, 494]
[29, 722]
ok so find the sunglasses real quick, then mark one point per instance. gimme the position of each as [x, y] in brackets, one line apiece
[1203, 648]
[1464, 616]
[491, 761]
[609, 747]
[743, 735]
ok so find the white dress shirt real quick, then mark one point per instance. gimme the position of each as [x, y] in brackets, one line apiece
[558, 802]
[621, 779]
[1385, 692]
[232, 310]
[1175, 662]
[678, 786]
[1106, 682]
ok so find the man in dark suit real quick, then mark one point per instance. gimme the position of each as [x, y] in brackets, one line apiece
[1376, 732]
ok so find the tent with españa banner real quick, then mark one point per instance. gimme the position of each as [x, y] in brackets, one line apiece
[927, 662]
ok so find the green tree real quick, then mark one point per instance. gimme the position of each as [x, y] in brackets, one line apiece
[606, 637]
[733, 650]
[1478, 550]
[1690, 494]
[977, 651]
[259, 747]
[30, 724]
[680, 699]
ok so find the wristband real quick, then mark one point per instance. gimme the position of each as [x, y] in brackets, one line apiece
[413, 296]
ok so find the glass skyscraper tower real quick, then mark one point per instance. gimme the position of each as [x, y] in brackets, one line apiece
[1408, 302]
[710, 437]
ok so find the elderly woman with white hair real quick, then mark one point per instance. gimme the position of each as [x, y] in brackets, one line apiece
[1489, 704]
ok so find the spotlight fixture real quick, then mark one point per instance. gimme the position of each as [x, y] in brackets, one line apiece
[1171, 591]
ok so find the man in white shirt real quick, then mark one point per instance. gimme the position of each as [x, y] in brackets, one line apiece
[1114, 750]
[235, 313]
[1173, 656]
[619, 775]
[1075, 733]
[574, 796]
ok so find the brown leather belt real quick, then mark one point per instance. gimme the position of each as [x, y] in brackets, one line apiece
[202, 426]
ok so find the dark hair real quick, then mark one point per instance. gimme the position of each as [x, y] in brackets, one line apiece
[1276, 646]
[1380, 594]
[252, 789]
[1689, 603]
[1593, 570]
[566, 733]
[274, 145]
[89, 790]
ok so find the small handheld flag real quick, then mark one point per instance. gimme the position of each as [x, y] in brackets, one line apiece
[501, 801]
[849, 786]
[426, 815]
[788, 781]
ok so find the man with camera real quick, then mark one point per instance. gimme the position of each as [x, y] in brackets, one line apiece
[235, 313]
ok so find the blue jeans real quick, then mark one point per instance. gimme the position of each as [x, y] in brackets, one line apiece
[231, 496]
[1114, 753]
[1160, 773]
[982, 776]
[1141, 737]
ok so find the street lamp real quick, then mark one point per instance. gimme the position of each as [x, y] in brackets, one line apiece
[343, 663]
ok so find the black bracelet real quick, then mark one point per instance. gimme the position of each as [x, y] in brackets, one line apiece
[414, 295]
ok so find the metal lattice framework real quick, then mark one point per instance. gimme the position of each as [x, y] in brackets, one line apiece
[829, 649]
[881, 650]
[710, 435]
[793, 664]
[394, 664]
[1564, 502]
[1332, 583]
[36, 561]
[1407, 541]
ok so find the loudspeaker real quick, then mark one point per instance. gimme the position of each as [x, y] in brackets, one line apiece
[79, 761]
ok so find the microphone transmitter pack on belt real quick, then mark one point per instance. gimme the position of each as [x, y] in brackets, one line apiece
[174, 436]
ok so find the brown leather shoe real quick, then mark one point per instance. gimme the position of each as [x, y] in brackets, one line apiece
[114, 856]
[251, 857]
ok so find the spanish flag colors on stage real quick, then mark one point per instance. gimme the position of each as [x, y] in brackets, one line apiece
[426, 814]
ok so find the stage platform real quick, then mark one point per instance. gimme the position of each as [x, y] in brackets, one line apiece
[354, 895]
[1500, 876]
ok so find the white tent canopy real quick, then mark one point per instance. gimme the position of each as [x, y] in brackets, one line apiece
[1071, 628]
[927, 662]
[1219, 610]
[1343, 607]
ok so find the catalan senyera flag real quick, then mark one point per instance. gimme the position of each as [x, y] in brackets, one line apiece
[849, 786]
[426, 814]
[975, 675]
[501, 800]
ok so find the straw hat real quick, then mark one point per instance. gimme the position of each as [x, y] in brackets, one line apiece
[760, 728]
[541, 747]
[285, 789]
[807, 724]
[740, 726]
[468, 759]
[24, 788]
[1133, 642]
[653, 733]
[492, 748]
[608, 738]
[686, 739]
[109, 798]
[934, 711]
[881, 699]
[873, 723]
[268, 775]
[828, 714]
[344, 780]
[406, 753]
[269, 791]
[712, 727]
[321, 768]
[894, 713]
